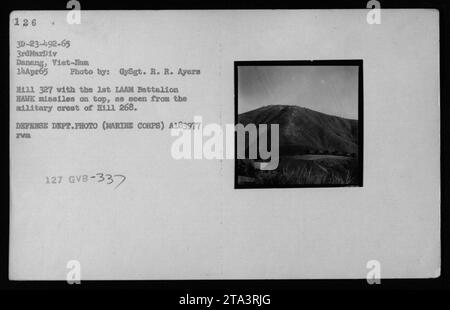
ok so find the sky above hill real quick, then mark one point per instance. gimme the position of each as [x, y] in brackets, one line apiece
[327, 89]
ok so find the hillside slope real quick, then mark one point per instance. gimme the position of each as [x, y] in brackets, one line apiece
[304, 130]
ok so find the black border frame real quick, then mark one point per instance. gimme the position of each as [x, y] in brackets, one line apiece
[339, 62]
[285, 290]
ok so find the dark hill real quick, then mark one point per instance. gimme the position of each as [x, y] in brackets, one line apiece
[307, 131]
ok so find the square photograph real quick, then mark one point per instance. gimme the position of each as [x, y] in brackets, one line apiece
[298, 123]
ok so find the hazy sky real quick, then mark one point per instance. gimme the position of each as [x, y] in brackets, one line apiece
[328, 89]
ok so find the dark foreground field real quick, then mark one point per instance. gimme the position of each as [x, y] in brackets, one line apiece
[301, 170]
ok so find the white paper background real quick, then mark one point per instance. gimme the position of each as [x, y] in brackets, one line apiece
[184, 219]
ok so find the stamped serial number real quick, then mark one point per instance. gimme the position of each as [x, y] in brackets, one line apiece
[100, 177]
